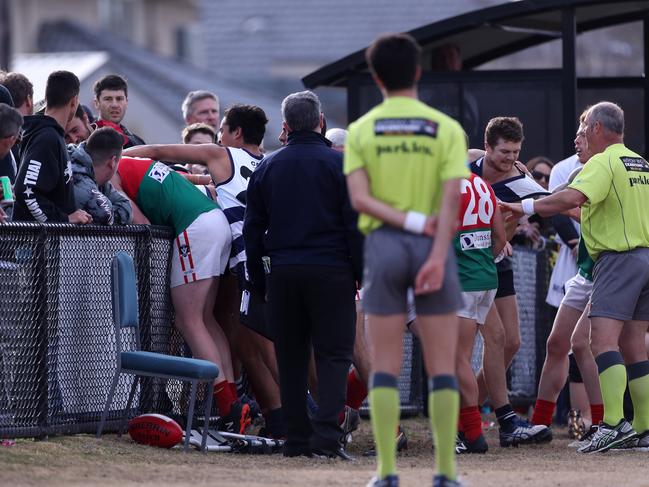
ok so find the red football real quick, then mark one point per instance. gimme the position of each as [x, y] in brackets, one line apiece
[155, 430]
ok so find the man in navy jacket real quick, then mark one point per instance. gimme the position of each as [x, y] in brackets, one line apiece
[299, 215]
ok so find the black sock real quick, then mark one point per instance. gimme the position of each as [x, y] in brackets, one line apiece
[505, 415]
[275, 423]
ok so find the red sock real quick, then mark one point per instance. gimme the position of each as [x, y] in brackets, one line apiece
[356, 391]
[224, 397]
[597, 413]
[233, 389]
[543, 411]
[471, 422]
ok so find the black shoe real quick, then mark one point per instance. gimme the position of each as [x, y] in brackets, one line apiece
[297, 452]
[237, 420]
[443, 481]
[333, 453]
[388, 481]
[402, 444]
[462, 445]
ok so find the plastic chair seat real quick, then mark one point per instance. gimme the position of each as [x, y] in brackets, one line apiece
[157, 363]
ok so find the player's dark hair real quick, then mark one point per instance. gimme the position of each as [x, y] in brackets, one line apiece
[19, 86]
[394, 58]
[250, 118]
[61, 87]
[509, 129]
[110, 82]
[103, 144]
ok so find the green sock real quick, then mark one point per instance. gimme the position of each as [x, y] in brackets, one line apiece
[612, 381]
[384, 412]
[443, 408]
[639, 388]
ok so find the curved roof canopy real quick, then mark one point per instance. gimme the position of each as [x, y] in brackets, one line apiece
[490, 33]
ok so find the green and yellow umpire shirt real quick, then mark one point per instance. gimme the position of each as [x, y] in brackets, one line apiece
[616, 216]
[408, 150]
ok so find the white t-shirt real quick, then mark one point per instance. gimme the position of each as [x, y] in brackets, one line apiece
[566, 266]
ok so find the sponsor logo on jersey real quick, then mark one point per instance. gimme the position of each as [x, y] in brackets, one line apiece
[405, 126]
[475, 240]
[642, 179]
[403, 148]
[159, 172]
[636, 164]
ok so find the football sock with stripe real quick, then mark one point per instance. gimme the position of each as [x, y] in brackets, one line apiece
[612, 380]
[505, 416]
[384, 413]
[639, 389]
[443, 407]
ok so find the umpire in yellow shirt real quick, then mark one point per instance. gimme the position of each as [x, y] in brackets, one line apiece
[613, 192]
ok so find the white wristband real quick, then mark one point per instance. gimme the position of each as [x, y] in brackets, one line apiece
[415, 222]
[528, 206]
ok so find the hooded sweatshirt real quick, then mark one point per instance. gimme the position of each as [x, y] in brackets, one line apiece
[44, 188]
[106, 205]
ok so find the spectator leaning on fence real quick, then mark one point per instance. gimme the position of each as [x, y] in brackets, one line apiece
[111, 101]
[613, 192]
[8, 166]
[10, 122]
[94, 163]
[44, 188]
[79, 128]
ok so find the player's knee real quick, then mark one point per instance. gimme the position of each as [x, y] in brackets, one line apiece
[580, 345]
[512, 345]
[495, 338]
[557, 346]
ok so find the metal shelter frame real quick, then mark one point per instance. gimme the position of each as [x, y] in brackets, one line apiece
[488, 34]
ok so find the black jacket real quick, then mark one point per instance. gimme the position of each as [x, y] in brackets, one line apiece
[299, 212]
[44, 188]
[106, 205]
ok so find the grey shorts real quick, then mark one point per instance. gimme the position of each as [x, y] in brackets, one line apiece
[621, 285]
[392, 260]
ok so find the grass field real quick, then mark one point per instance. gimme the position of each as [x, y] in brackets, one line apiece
[112, 461]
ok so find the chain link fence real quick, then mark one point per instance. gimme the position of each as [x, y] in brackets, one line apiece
[57, 342]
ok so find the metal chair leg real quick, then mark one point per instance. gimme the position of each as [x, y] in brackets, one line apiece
[190, 415]
[209, 388]
[131, 394]
[109, 402]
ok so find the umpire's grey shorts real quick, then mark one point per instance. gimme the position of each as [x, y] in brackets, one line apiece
[392, 259]
[621, 285]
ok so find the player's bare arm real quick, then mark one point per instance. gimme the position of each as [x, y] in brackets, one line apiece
[564, 200]
[498, 235]
[213, 156]
[431, 275]
[138, 216]
[363, 202]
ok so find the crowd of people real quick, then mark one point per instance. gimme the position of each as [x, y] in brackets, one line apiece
[300, 269]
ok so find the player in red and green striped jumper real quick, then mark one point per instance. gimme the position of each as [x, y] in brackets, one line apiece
[480, 237]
